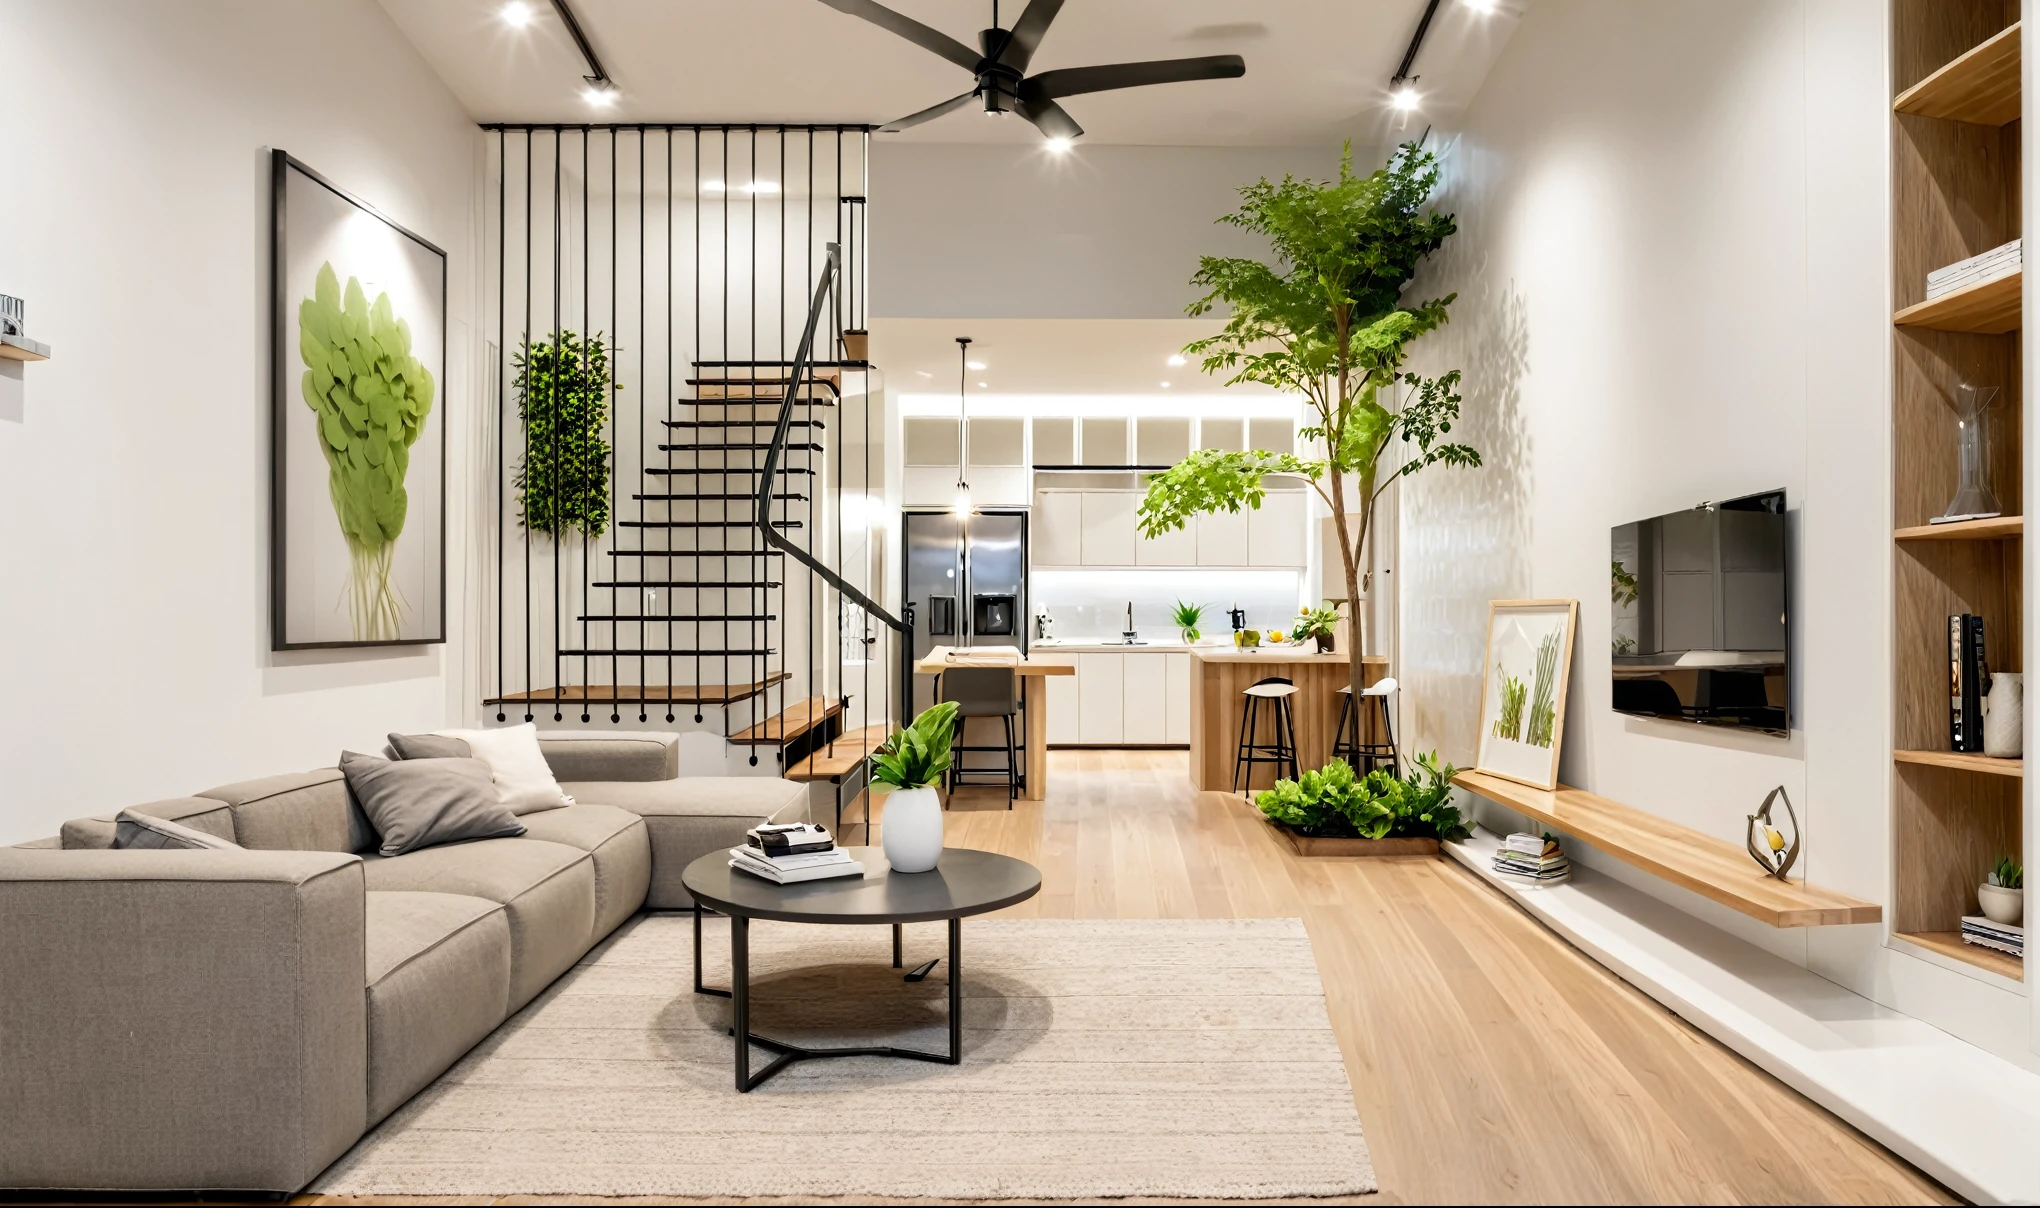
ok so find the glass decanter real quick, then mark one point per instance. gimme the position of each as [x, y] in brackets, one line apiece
[1974, 498]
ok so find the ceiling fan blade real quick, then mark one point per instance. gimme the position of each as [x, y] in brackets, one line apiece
[926, 115]
[1025, 38]
[1049, 118]
[1070, 81]
[910, 29]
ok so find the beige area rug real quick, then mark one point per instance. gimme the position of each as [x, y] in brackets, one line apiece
[1166, 1058]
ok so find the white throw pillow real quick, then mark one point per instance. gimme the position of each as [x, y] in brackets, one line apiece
[524, 781]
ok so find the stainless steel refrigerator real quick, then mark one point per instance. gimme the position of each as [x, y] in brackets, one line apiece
[966, 581]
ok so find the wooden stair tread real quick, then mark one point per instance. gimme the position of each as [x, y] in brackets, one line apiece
[1713, 868]
[1987, 308]
[840, 757]
[654, 694]
[790, 723]
[1981, 85]
[1963, 761]
[1949, 944]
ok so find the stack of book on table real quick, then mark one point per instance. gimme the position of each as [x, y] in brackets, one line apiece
[1989, 266]
[1532, 858]
[791, 852]
[2003, 937]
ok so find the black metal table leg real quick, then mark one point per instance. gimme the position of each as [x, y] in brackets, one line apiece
[898, 942]
[698, 987]
[956, 991]
[740, 995]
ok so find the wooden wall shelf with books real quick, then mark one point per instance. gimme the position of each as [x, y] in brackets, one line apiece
[1957, 146]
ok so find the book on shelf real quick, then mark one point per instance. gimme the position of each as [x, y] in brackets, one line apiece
[788, 870]
[1988, 266]
[1533, 858]
[2002, 937]
[1968, 673]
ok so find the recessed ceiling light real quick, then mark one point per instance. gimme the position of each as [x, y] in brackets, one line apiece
[598, 96]
[712, 186]
[516, 14]
[1177, 359]
[924, 373]
[1059, 145]
[975, 364]
[1483, 7]
[981, 385]
[762, 186]
[1405, 98]
[1165, 385]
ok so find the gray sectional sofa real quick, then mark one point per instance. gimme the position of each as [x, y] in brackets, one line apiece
[196, 1020]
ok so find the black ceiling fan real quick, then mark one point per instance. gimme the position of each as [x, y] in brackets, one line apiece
[1001, 67]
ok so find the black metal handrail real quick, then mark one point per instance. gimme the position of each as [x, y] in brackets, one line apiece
[803, 361]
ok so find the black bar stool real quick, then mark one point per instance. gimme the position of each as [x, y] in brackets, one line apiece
[983, 692]
[1275, 693]
[1364, 757]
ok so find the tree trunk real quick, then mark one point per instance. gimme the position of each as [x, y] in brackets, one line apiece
[1349, 563]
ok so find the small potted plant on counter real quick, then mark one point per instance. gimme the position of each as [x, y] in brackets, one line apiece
[1187, 618]
[1319, 623]
[2003, 895]
[1334, 812]
[911, 763]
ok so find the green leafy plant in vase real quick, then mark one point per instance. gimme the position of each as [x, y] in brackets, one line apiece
[1187, 618]
[372, 398]
[1319, 623]
[911, 763]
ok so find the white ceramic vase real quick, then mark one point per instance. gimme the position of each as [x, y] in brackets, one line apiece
[2001, 905]
[911, 829]
[2004, 716]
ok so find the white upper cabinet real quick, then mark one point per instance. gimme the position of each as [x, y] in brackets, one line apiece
[1275, 532]
[1109, 538]
[1176, 548]
[1222, 539]
[1057, 528]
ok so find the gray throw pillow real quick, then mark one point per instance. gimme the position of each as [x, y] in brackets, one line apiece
[414, 803]
[137, 831]
[429, 746]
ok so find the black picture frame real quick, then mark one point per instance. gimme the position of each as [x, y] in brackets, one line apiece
[285, 364]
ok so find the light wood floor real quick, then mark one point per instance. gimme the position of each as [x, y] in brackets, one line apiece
[1490, 1060]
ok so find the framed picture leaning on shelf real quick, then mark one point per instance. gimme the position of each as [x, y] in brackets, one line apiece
[1522, 703]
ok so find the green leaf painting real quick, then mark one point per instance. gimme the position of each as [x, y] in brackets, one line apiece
[371, 397]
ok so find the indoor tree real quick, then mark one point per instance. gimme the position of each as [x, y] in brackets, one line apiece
[1326, 320]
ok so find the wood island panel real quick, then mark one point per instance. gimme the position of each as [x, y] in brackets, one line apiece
[1218, 677]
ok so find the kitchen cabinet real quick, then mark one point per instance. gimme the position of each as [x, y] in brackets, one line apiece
[1057, 528]
[1109, 538]
[1101, 699]
[1147, 680]
[1176, 728]
[1275, 531]
[1222, 539]
[1177, 548]
[1064, 725]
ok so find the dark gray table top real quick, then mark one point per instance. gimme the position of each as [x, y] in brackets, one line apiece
[964, 882]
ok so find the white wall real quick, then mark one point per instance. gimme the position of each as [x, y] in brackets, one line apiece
[134, 211]
[1671, 268]
[1102, 232]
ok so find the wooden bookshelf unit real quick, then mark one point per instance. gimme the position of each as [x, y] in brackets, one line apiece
[1956, 154]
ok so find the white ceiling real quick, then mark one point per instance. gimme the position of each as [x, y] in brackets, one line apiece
[1045, 356]
[1317, 70]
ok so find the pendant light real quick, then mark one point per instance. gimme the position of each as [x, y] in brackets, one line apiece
[962, 505]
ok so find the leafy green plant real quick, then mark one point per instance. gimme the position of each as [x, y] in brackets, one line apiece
[1326, 321]
[1509, 724]
[1316, 623]
[917, 756]
[2009, 874]
[1333, 802]
[1621, 583]
[563, 385]
[1541, 708]
[1188, 617]
[372, 398]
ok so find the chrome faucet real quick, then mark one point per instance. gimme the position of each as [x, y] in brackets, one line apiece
[1131, 635]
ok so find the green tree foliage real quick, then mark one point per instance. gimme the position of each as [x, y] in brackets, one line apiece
[1325, 320]
[917, 756]
[372, 398]
[1333, 802]
[563, 387]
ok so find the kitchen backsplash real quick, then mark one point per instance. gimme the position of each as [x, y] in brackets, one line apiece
[1092, 603]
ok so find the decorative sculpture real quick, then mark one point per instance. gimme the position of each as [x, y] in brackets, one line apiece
[1773, 856]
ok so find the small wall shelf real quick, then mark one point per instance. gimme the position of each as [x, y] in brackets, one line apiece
[1981, 86]
[1966, 530]
[1987, 308]
[1713, 868]
[1963, 761]
[1949, 944]
[12, 350]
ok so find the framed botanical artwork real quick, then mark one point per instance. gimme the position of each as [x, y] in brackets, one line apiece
[358, 454]
[1522, 704]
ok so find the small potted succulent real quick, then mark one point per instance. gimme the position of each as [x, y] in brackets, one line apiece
[1319, 623]
[911, 763]
[1187, 618]
[2003, 896]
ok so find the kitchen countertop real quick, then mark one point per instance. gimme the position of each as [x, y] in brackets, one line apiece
[1276, 654]
[1104, 646]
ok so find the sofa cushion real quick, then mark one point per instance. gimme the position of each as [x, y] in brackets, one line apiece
[688, 817]
[298, 811]
[547, 891]
[429, 746]
[140, 832]
[438, 982]
[415, 803]
[198, 813]
[647, 755]
[524, 781]
[620, 846]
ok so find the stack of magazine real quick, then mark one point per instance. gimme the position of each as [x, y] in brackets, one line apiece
[1997, 262]
[1532, 858]
[2004, 937]
[791, 852]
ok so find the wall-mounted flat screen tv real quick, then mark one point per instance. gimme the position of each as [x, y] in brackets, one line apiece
[1699, 615]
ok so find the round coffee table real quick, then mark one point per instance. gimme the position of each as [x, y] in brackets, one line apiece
[964, 882]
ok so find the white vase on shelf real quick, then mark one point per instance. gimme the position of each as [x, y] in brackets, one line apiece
[2004, 716]
[910, 829]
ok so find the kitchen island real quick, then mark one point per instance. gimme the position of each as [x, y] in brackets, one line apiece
[1219, 676]
[1033, 673]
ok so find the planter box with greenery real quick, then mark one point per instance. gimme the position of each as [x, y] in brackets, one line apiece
[1334, 812]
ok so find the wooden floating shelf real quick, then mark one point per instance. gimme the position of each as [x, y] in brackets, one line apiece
[1963, 761]
[1981, 86]
[1949, 944]
[1713, 868]
[1988, 308]
[1966, 530]
[15, 352]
